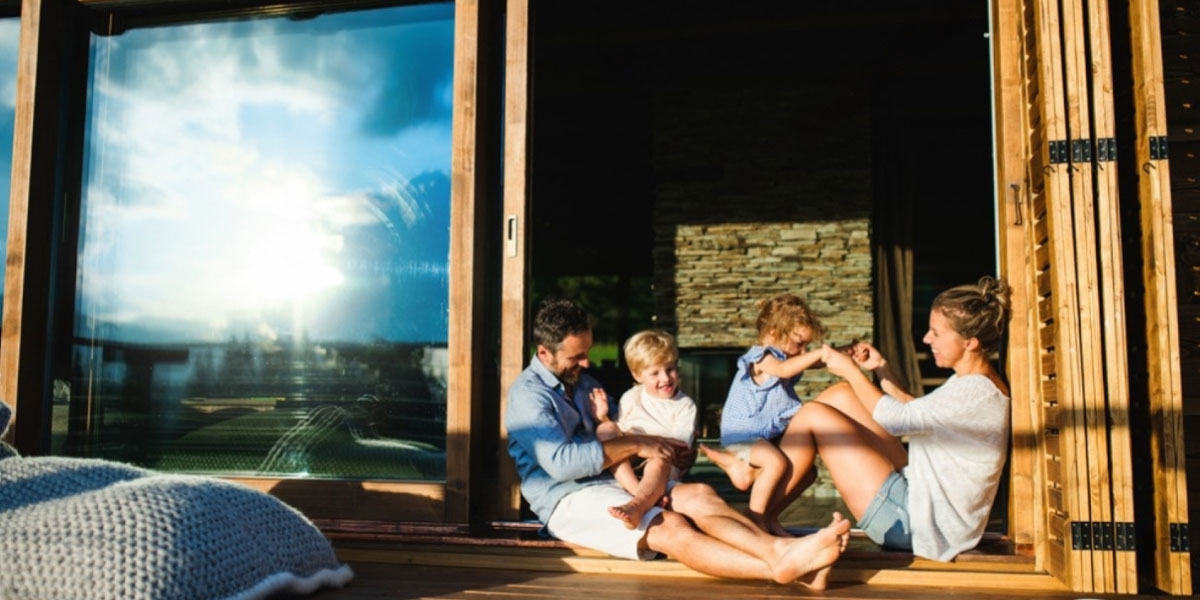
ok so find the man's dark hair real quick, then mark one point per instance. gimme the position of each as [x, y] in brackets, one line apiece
[557, 318]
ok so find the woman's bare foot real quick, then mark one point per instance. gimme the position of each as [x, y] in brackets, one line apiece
[807, 560]
[741, 474]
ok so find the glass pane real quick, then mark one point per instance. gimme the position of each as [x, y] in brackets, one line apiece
[264, 247]
[10, 40]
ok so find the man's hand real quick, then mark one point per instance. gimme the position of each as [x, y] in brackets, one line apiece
[599, 400]
[685, 457]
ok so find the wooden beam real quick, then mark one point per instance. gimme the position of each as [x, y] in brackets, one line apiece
[1024, 502]
[1077, 567]
[25, 337]
[1093, 400]
[1112, 289]
[1173, 570]
[464, 385]
[517, 125]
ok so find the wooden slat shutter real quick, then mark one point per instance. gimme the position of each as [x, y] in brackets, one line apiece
[1173, 572]
[1065, 266]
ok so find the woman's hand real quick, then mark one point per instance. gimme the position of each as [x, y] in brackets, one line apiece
[867, 356]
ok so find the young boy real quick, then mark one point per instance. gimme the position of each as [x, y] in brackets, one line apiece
[654, 406]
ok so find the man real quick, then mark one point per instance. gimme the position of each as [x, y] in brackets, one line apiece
[563, 469]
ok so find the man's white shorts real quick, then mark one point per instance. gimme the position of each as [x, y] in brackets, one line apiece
[582, 518]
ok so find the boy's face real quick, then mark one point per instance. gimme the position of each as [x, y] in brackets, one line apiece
[660, 381]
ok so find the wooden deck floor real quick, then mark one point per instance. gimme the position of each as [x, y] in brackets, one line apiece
[374, 581]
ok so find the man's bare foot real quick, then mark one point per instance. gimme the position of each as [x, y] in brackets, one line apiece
[807, 560]
[741, 474]
[630, 513]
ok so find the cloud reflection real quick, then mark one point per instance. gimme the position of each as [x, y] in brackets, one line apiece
[242, 173]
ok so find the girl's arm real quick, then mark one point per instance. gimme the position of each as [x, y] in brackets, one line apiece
[791, 367]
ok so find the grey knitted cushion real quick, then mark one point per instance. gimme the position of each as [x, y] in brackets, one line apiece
[78, 528]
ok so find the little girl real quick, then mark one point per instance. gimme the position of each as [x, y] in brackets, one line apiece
[761, 402]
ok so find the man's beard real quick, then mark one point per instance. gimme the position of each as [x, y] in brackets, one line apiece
[569, 376]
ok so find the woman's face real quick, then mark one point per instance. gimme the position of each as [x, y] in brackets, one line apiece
[946, 344]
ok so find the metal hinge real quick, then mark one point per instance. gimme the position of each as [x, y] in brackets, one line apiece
[1106, 149]
[1081, 151]
[1158, 147]
[1126, 538]
[1179, 537]
[1102, 535]
[1081, 535]
[1058, 151]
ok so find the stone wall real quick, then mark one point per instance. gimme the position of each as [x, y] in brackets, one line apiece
[762, 191]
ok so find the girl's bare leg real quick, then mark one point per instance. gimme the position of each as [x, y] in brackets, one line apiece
[773, 470]
[787, 497]
[646, 494]
[741, 474]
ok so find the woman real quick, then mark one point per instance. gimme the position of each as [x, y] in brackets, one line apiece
[935, 497]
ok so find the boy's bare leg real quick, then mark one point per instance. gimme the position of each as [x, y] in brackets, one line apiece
[729, 545]
[646, 494]
[741, 474]
[623, 472]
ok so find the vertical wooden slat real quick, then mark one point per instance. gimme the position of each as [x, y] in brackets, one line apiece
[464, 376]
[1024, 503]
[1173, 572]
[1112, 290]
[1079, 569]
[1093, 400]
[512, 303]
[24, 346]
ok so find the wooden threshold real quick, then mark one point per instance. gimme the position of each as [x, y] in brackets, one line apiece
[856, 566]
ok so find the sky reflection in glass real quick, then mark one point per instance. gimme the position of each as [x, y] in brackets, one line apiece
[10, 40]
[270, 177]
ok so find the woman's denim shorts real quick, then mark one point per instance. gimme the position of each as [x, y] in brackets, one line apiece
[886, 519]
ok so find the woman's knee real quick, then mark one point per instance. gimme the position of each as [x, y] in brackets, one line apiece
[836, 395]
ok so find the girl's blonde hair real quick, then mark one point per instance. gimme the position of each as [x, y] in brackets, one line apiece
[782, 314]
[977, 310]
[648, 348]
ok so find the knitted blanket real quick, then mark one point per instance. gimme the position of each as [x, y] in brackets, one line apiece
[78, 528]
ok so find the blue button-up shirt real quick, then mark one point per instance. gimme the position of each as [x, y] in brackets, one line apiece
[552, 438]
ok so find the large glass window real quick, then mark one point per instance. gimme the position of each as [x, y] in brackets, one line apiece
[264, 244]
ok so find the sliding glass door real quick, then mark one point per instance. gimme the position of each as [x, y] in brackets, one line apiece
[263, 280]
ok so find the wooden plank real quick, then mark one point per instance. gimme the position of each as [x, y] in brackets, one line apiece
[1048, 359]
[1091, 358]
[1112, 292]
[464, 378]
[1077, 567]
[514, 271]
[1024, 502]
[1042, 258]
[1051, 416]
[24, 372]
[928, 573]
[1045, 309]
[1172, 573]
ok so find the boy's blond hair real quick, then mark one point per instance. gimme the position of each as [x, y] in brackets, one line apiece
[648, 348]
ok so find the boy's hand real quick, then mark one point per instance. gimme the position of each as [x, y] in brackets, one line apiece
[599, 400]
